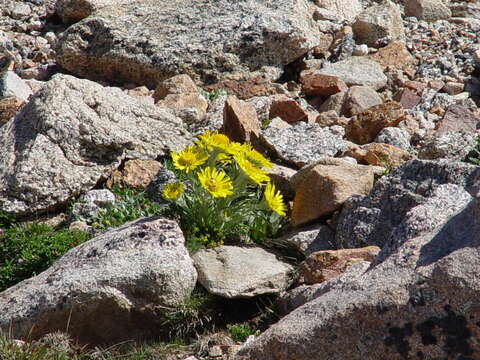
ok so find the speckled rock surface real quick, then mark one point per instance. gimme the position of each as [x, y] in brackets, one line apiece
[71, 135]
[411, 303]
[71, 11]
[109, 289]
[208, 40]
[372, 219]
[304, 143]
[237, 272]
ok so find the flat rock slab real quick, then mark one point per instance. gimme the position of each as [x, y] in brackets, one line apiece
[71, 135]
[239, 272]
[357, 70]
[303, 143]
[210, 40]
[109, 289]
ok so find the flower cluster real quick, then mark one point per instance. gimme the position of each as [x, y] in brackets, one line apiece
[224, 191]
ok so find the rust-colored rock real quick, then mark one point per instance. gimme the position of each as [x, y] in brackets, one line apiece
[360, 98]
[135, 173]
[178, 84]
[328, 264]
[8, 108]
[287, 109]
[323, 188]
[364, 127]
[315, 84]
[394, 55]
[330, 118]
[385, 155]
[240, 122]
[246, 89]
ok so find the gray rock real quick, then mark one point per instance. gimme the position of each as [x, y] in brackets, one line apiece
[372, 219]
[416, 302]
[360, 98]
[428, 10]
[73, 134]
[357, 70]
[394, 136]
[451, 145]
[88, 205]
[377, 22]
[114, 287]
[149, 41]
[310, 239]
[303, 143]
[71, 11]
[345, 9]
[237, 272]
[11, 85]
[155, 188]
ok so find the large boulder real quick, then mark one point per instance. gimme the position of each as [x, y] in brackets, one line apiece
[149, 41]
[73, 134]
[345, 9]
[370, 220]
[111, 288]
[416, 302]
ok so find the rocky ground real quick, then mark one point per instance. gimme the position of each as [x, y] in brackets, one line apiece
[370, 110]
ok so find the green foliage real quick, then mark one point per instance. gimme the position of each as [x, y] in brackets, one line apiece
[131, 204]
[27, 250]
[6, 220]
[212, 95]
[196, 314]
[476, 158]
[240, 332]
[223, 193]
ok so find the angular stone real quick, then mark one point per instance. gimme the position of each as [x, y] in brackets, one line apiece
[240, 122]
[73, 134]
[385, 155]
[71, 11]
[394, 136]
[428, 10]
[88, 205]
[452, 145]
[303, 143]
[11, 85]
[258, 86]
[357, 70]
[371, 220]
[149, 41]
[459, 118]
[178, 84]
[310, 239]
[395, 55]
[135, 173]
[287, 109]
[378, 22]
[329, 264]
[407, 98]
[334, 103]
[345, 9]
[360, 98]
[453, 88]
[280, 177]
[112, 288]
[236, 272]
[185, 101]
[321, 85]
[364, 127]
[324, 188]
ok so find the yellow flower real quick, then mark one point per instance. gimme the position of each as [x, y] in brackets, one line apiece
[274, 199]
[211, 139]
[257, 158]
[256, 174]
[216, 182]
[189, 158]
[173, 190]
